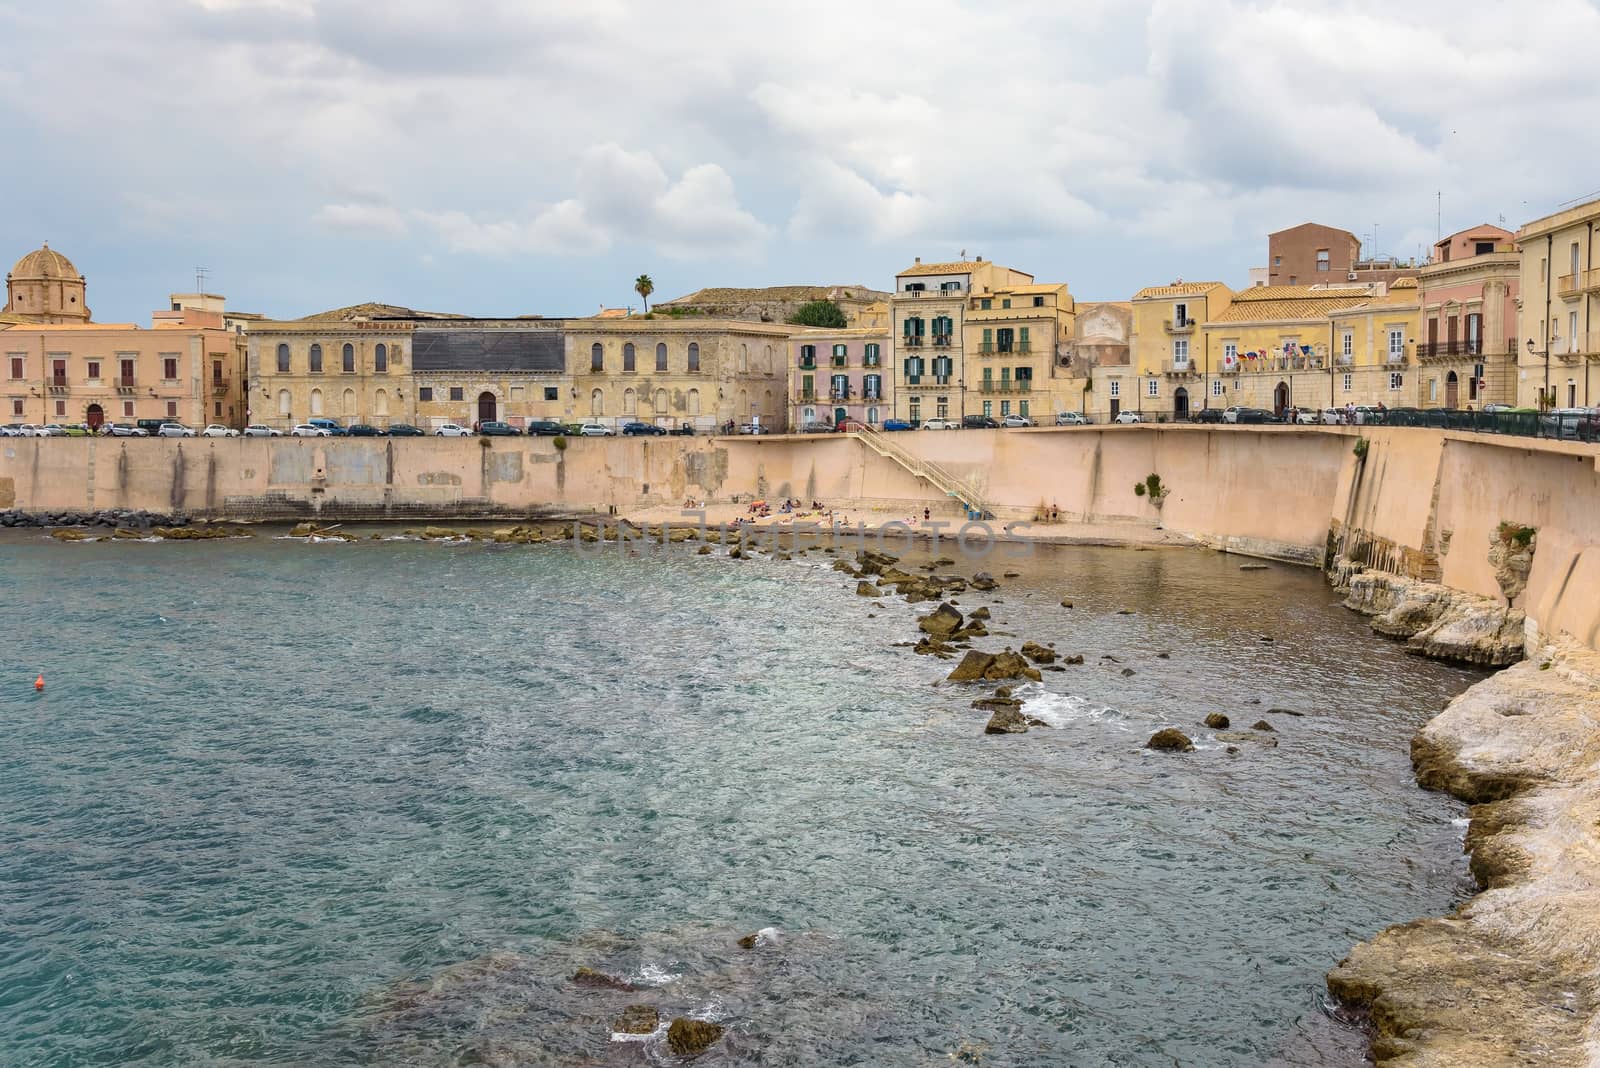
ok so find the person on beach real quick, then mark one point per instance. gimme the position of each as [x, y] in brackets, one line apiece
[926, 515]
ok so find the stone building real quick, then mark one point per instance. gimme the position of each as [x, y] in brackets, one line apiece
[1560, 310]
[44, 287]
[773, 304]
[839, 375]
[1467, 351]
[1013, 340]
[1167, 361]
[355, 371]
[1100, 339]
[1314, 254]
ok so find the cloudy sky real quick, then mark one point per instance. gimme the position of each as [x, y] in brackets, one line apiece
[524, 156]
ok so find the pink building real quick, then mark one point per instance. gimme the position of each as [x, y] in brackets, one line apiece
[837, 376]
[1468, 347]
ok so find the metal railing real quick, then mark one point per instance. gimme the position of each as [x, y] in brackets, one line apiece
[1179, 326]
[1179, 367]
[943, 480]
[1571, 424]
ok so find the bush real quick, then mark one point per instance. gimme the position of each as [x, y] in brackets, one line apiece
[1151, 487]
[1515, 534]
[560, 443]
[820, 313]
[1361, 448]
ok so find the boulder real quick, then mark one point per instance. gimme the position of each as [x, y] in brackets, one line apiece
[983, 581]
[1255, 738]
[931, 646]
[1075, 658]
[875, 563]
[1284, 712]
[1010, 665]
[1006, 721]
[847, 568]
[704, 550]
[1261, 725]
[972, 630]
[1012, 574]
[1039, 654]
[941, 622]
[637, 1020]
[997, 704]
[600, 980]
[1066, 604]
[68, 535]
[1170, 739]
[686, 1037]
[1217, 721]
[972, 667]
[126, 534]
[428, 532]
[978, 613]
[866, 589]
[1127, 673]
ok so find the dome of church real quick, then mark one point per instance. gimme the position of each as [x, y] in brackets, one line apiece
[45, 262]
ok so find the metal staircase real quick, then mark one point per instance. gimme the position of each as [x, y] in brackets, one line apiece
[927, 470]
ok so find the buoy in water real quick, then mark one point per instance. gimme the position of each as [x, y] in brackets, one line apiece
[38, 683]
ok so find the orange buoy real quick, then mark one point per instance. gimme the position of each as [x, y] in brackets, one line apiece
[38, 683]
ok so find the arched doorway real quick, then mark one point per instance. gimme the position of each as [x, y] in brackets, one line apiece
[839, 416]
[1452, 390]
[486, 407]
[95, 416]
[1280, 398]
[1180, 403]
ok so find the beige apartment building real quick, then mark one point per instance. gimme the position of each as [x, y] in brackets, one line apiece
[1014, 340]
[1560, 310]
[1167, 357]
[355, 372]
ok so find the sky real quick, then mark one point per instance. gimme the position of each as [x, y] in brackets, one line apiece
[509, 157]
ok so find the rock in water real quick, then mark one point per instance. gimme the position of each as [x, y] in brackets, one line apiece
[1261, 725]
[866, 589]
[600, 980]
[983, 581]
[68, 535]
[1075, 658]
[979, 613]
[1009, 665]
[1253, 567]
[1217, 721]
[941, 622]
[972, 667]
[637, 1020]
[1170, 739]
[1039, 654]
[687, 1037]
[1066, 604]
[1006, 721]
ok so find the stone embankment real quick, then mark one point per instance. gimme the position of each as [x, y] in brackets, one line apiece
[1511, 978]
[1438, 621]
[114, 517]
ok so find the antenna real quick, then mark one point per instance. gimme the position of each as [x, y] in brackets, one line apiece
[200, 279]
[1438, 215]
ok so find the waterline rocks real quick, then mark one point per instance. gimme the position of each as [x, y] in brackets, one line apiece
[1217, 721]
[1438, 621]
[941, 622]
[686, 1037]
[1006, 721]
[993, 667]
[1171, 740]
[1039, 654]
[586, 976]
[863, 588]
[637, 1020]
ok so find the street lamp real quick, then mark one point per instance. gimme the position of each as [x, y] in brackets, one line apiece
[1548, 398]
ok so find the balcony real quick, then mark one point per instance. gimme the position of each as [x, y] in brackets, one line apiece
[1570, 285]
[1345, 360]
[808, 365]
[1179, 368]
[219, 387]
[126, 384]
[912, 341]
[1006, 385]
[945, 294]
[872, 361]
[839, 361]
[942, 339]
[1397, 359]
[922, 382]
[58, 386]
[1004, 348]
[808, 395]
[838, 394]
[1179, 326]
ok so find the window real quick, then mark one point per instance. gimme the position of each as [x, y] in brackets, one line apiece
[58, 372]
[1433, 390]
[1349, 382]
[628, 360]
[1324, 262]
[1277, 261]
[1005, 407]
[216, 370]
[916, 409]
[1005, 339]
[1482, 248]
[809, 415]
[872, 387]
[1347, 343]
[985, 304]
[597, 357]
[808, 385]
[347, 359]
[348, 403]
[694, 402]
[1022, 408]
[661, 356]
[1230, 353]
[1180, 315]
[16, 406]
[1216, 387]
[125, 374]
[630, 401]
[172, 409]
[425, 393]
[1005, 303]
[283, 403]
[218, 407]
[1396, 380]
[169, 368]
[552, 393]
[1543, 268]
[380, 359]
[283, 359]
[659, 402]
[92, 368]
[744, 359]
[841, 355]
[1038, 302]
[127, 410]
[457, 393]
[1116, 388]
[988, 408]
[16, 367]
[1397, 343]
[872, 415]
[1022, 339]
[1572, 334]
[1152, 388]
[1180, 352]
[694, 356]
[316, 359]
[872, 356]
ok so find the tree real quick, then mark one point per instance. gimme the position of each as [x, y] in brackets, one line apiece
[820, 313]
[644, 287]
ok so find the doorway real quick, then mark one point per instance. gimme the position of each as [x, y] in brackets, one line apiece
[1452, 390]
[95, 416]
[1280, 398]
[1180, 403]
[839, 416]
[1116, 408]
[486, 407]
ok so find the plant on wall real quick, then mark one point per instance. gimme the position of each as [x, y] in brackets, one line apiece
[1361, 448]
[1152, 488]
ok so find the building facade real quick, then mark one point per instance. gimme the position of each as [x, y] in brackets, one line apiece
[355, 372]
[1168, 361]
[839, 375]
[1014, 338]
[1467, 349]
[1314, 254]
[44, 287]
[1560, 310]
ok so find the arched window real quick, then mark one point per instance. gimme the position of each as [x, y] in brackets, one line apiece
[660, 403]
[597, 401]
[347, 358]
[872, 416]
[766, 408]
[694, 356]
[316, 359]
[597, 357]
[694, 402]
[630, 402]
[316, 402]
[743, 410]
[627, 357]
[766, 361]
[744, 359]
[809, 416]
[283, 360]
[661, 356]
[380, 403]
[380, 359]
[348, 403]
[283, 403]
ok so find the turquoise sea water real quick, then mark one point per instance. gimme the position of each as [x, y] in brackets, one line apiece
[374, 803]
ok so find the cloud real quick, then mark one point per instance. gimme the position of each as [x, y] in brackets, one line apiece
[376, 220]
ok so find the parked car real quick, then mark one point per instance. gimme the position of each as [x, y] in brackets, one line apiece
[1126, 418]
[642, 430]
[1206, 415]
[496, 429]
[11, 430]
[262, 430]
[596, 430]
[174, 430]
[406, 430]
[330, 425]
[979, 422]
[897, 424]
[75, 430]
[1563, 422]
[50, 430]
[941, 424]
[451, 430]
[310, 430]
[1305, 416]
[817, 428]
[545, 428]
[217, 430]
[683, 430]
[1072, 419]
[150, 426]
[25, 430]
[1015, 421]
[754, 428]
[1331, 416]
[363, 430]
[1254, 415]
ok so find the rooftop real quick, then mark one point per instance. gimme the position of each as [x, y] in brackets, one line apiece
[45, 262]
[373, 310]
[954, 267]
[1284, 303]
[734, 295]
[1177, 289]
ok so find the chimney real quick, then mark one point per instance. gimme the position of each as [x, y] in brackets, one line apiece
[919, 259]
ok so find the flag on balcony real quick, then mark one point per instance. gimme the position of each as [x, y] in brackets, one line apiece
[1305, 350]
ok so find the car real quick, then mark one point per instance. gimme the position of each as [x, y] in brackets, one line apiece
[1498, 408]
[76, 430]
[1127, 418]
[330, 425]
[151, 426]
[26, 430]
[11, 430]
[1072, 419]
[363, 430]
[217, 430]
[50, 430]
[1303, 416]
[817, 428]
[1254, 416]
[496, 429]
[595, 430]
[1331, 416]
[174, 430]
[978, 422]
[1206, 415]
[1014, 421]
[545, 428]
[451, 430]
[754, 428]
[643, 430]
[897, 424]
[262, 430]
[1564, 422]
[683, 430]
[406, 430]
[309, 430]
[1231, 414]
[941, 424]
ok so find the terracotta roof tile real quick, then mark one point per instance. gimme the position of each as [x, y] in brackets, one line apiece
[1179, 289]
[1284, 309]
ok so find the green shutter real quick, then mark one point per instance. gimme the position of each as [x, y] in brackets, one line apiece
[1024, 333]
[988, 335]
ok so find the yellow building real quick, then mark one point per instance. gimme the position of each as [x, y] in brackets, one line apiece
[1560, 310]
[352, 371]
[1167, 366]
[1376, 354]
[1013, 338]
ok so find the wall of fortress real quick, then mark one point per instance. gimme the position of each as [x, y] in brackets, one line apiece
[1423, 503]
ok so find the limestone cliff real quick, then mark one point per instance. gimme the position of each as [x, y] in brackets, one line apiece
[1436, 620]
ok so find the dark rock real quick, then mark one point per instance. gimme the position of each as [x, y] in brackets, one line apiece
[1066, 604]
[1108, 656]
[749, 941]
[1254, 567]
[1006, 721]
[1011, 574]
[1163, 656]
[875, 563]
[1217, 721]
[983, 581]
[686, 1037]
[1262, 725]
[1283, 712]
[1124, 611]
[1003, 691]
[1039, 654]
[1010, 665]
[866, 589]
[1127, 673]
[704, 550]
[978, 613]
[972, 667]
[1170, 739]
[1264, 640]
[600, 980]
[1255, 738]
[932, 646]
[637, 1020]
[997, 704]
[941, 622]
[1075, 658]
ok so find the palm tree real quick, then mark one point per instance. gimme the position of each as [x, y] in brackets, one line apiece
[644, 287]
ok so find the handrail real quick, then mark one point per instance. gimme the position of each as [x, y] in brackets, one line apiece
[924, 469]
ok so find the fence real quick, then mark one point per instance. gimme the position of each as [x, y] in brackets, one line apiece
[1571, 424]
